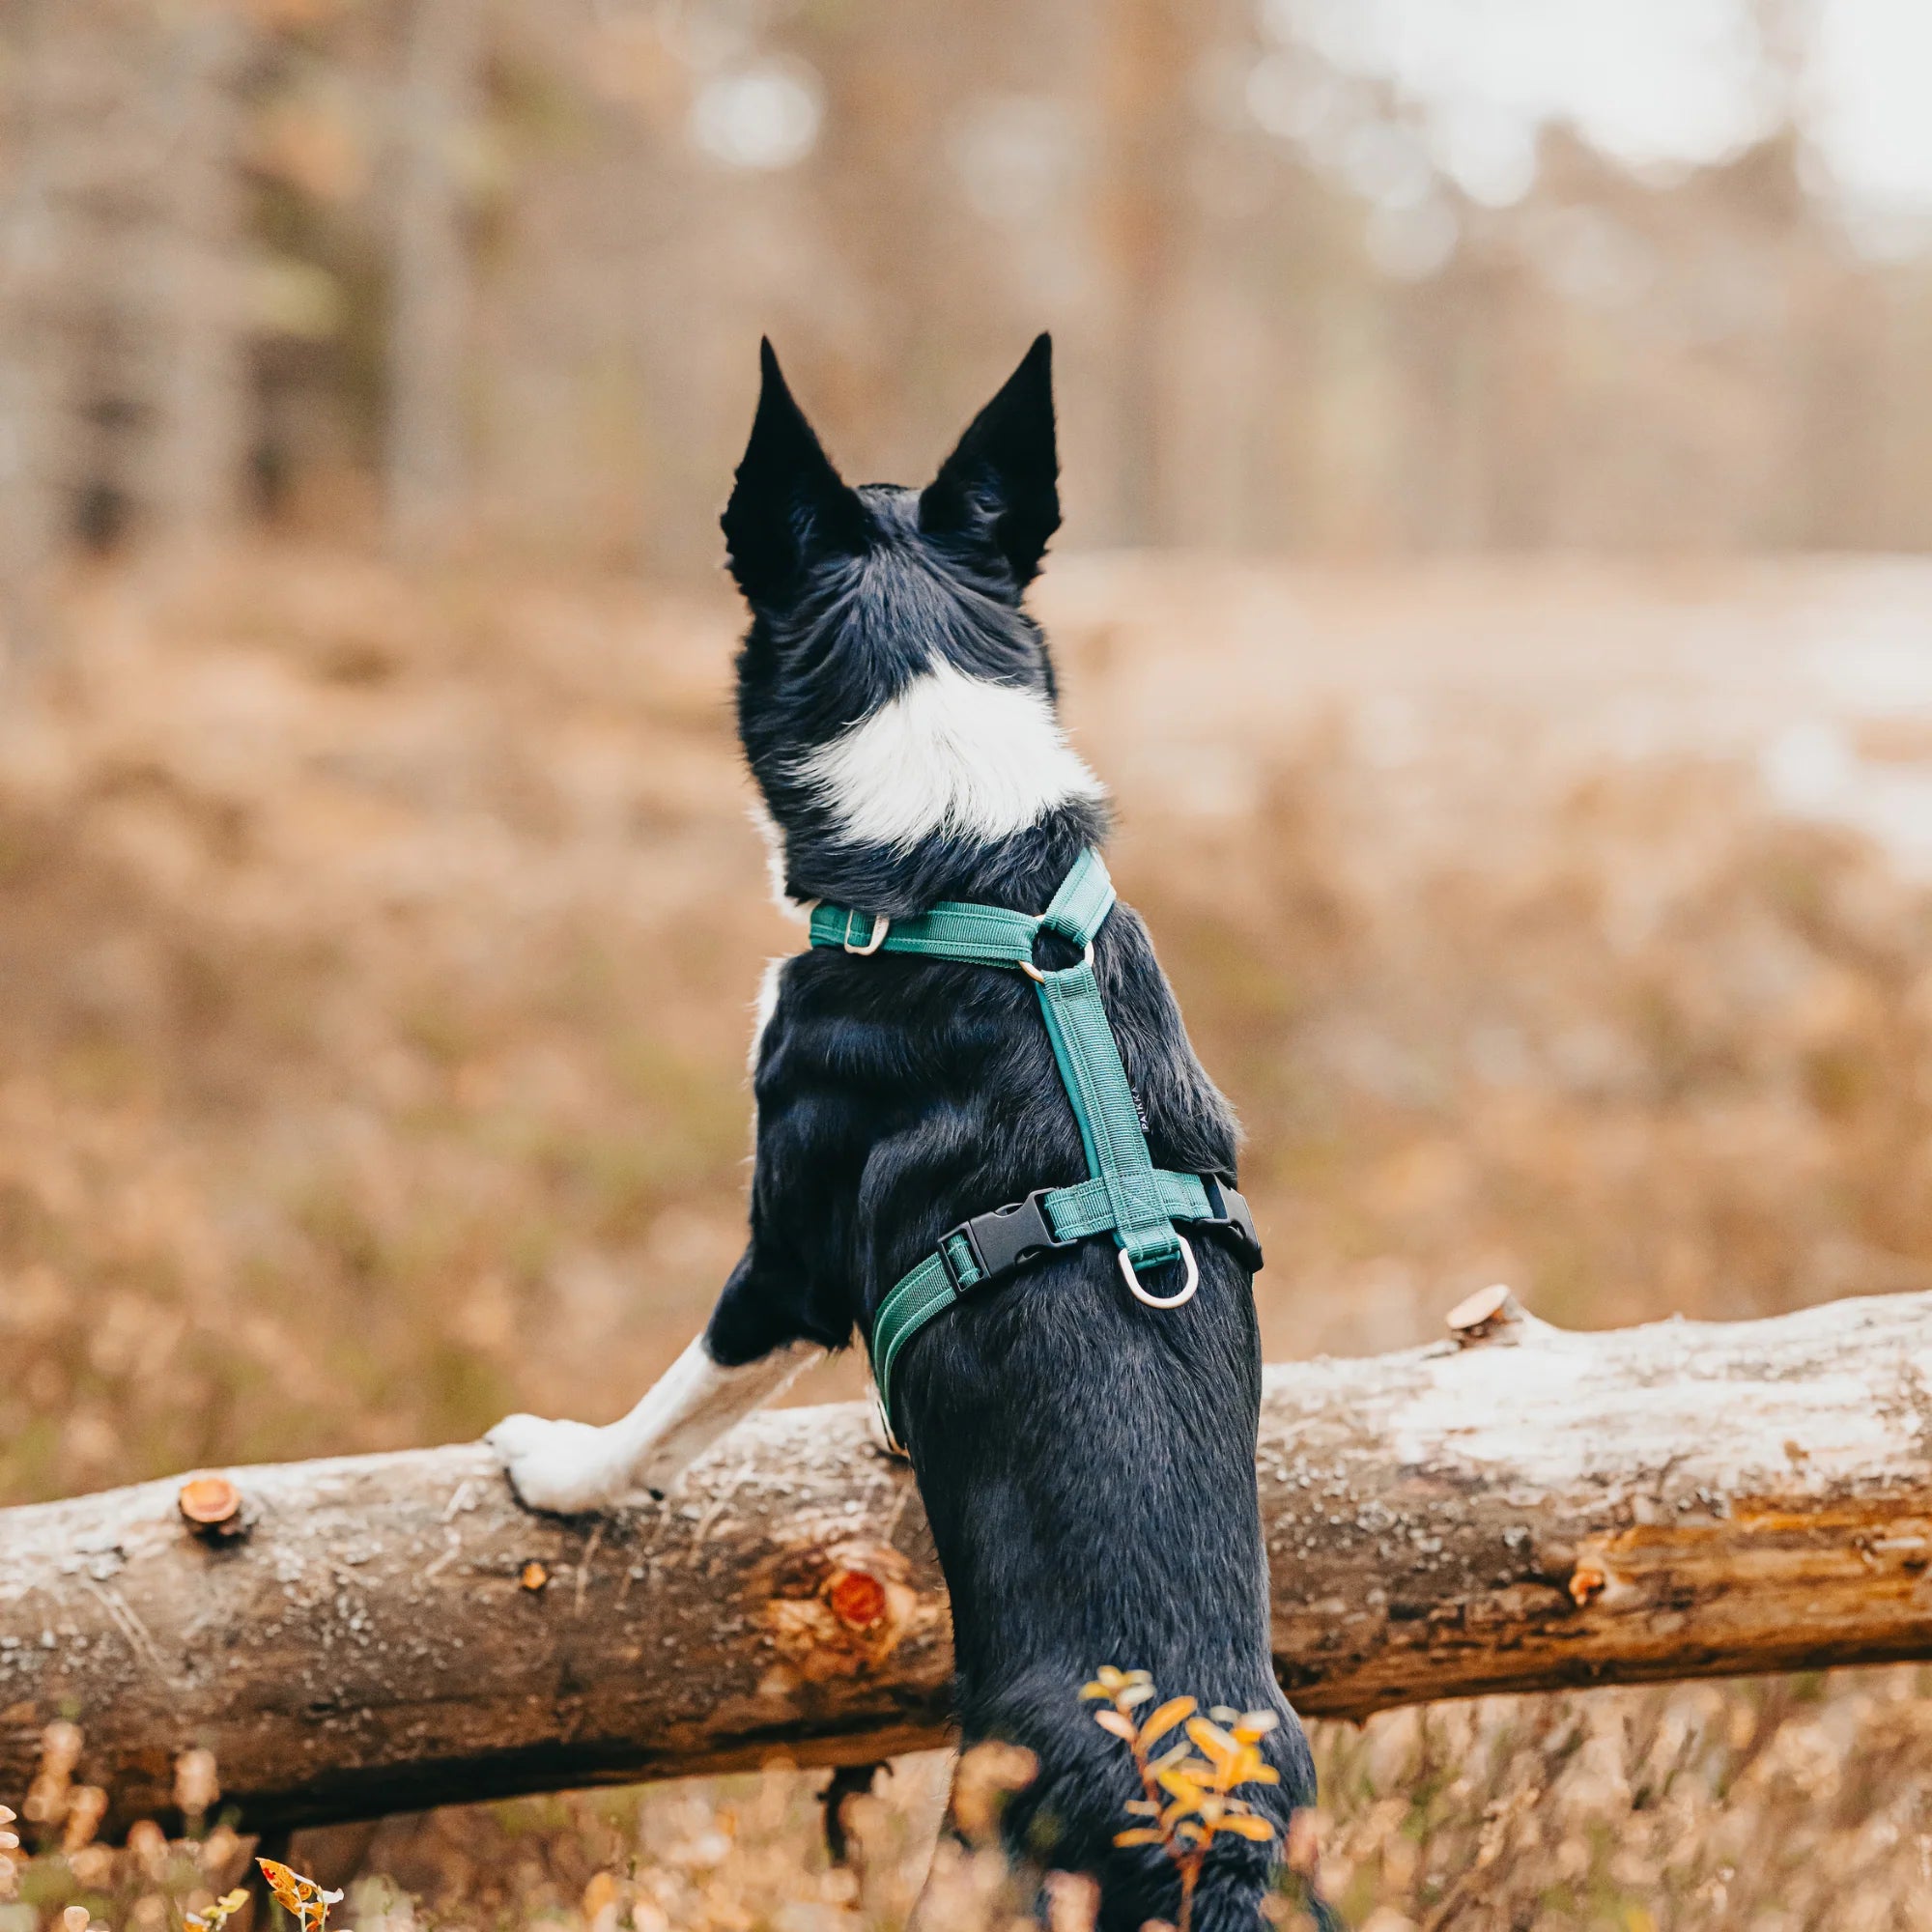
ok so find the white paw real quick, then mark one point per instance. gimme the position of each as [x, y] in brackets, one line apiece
[561, 1467]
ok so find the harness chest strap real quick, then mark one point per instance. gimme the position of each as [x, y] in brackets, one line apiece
[1128, 1197]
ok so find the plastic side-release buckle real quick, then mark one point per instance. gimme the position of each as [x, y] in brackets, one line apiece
[1230, 1217]
[999, 1241]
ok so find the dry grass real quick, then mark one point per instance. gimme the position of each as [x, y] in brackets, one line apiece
[377, 963]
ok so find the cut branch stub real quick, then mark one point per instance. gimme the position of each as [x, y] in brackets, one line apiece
[1479, 1315]
[211, 1507]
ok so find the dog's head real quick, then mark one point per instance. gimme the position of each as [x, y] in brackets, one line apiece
[893, 695]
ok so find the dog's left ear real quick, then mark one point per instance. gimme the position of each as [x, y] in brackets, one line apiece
[1001, 484]
[788, 506]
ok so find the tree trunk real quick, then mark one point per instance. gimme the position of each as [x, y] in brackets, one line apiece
[29, 512]
[196, 335]
[430, 300]
[1152, 51]
[1516, 1509]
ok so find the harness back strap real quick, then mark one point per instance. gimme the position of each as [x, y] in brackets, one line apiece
[1128, 1197]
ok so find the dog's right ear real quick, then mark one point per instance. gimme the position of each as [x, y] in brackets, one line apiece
[790, 505]
[1001, 486]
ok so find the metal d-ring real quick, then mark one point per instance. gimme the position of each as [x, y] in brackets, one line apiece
[1180, 1301]
[1033, 971]
[881, 925]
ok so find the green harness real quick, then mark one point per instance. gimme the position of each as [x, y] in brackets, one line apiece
[1128, 1197]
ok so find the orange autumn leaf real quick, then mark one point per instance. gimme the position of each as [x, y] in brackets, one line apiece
[302, 1897]
[1248, 1826]
[1164, 1720]
[1213, 1741]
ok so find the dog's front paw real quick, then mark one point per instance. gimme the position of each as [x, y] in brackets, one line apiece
[561, 1467]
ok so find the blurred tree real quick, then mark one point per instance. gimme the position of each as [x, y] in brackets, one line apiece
[192, 325]
[28, 510]
[1152, 55]
[1284, 322]
[430, 291]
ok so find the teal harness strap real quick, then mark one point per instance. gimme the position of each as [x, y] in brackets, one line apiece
[1109, 1123]
[1071, 1214]
[1128, 1197]
[970, 935]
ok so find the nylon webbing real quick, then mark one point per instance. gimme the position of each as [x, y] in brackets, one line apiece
[1103, 1103]
[1128, 1197]
[1074, 1213]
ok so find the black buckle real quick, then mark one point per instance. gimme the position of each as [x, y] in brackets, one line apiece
[999, 1241]
[1232, 1218]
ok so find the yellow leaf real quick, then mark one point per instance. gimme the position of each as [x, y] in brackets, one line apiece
[302, 1897]
[1249, 1769]
[1211, 1741]
[1249, 1826]
[1140, 1835]
[1182, 1781]
[284, 1884]
[1253, 1724]
[1140, 1807]
[1094, 1689]
[1112, 1721]
[235, 1900]
[1160, 1723]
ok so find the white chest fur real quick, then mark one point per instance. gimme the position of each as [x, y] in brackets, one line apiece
[949, 754]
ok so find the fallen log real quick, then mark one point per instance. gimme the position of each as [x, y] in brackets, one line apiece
[1518, 1508]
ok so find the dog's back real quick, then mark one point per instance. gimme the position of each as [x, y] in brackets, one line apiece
[1087, 1462]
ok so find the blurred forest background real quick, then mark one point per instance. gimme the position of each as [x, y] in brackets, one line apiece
[457, 269]
[1498, 459]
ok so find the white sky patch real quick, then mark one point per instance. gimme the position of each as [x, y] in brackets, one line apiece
[1654, 83]
[951, 754]
[759, 118]
[1866, 106]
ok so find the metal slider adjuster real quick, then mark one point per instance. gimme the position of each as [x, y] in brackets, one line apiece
[999, 1241]
[881, 925]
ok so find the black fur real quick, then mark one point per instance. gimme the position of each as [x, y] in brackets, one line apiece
[1087, 1463]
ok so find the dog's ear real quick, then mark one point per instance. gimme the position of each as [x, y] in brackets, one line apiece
[790, 505]
[1001, 484]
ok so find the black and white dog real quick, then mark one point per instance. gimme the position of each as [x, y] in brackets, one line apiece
[1088, 1464]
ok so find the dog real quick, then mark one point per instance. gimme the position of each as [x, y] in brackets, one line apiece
[1087, 1463]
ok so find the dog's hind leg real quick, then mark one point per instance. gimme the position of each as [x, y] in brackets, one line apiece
[568, 1466]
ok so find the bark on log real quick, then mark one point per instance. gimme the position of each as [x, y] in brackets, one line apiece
[1516, 1509]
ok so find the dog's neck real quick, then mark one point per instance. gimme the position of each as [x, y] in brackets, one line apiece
[957, 788]
[951, 756]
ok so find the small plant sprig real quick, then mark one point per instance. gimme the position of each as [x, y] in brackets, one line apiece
[1188, 1801]
[302, 1898]
[212, 1918]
